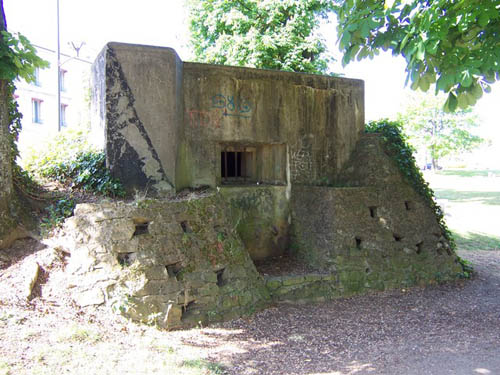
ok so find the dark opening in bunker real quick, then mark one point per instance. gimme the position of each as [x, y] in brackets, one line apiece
[237, 164]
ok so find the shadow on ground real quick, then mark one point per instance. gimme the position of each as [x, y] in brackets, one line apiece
[20, 250]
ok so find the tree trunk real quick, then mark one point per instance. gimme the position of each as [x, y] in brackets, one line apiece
[8, 225]
[434, 163]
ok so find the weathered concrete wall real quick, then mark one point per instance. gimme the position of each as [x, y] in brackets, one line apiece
[261, 216]
[165, 121]
[139, 105]
[319, 118]
[174, 264]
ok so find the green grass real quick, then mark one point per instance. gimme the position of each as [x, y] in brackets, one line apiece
[468, 172]
[200, 364]
[82, 349]
[476, 241]
[481, 197]
[75, 333]
[471, 202]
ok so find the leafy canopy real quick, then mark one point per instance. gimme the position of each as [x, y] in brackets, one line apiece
[443, 134]
[271, 34]
[18, 58]
[453, 43]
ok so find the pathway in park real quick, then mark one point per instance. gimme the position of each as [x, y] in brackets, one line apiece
[445, 329]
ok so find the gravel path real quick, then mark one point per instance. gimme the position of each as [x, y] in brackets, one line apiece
[446, 329]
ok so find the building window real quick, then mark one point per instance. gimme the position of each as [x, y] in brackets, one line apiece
[62, 85]
[36, 105]
[63, 114]
[36, 75]
[237, 164]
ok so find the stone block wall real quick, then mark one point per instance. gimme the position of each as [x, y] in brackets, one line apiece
[176, 263]
[170, 263]
[378, 233]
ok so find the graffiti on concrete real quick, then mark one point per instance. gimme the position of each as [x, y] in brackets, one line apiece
[204, 118]
[231, 106]
[221, 106]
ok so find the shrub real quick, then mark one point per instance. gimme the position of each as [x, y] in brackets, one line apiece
[57, 213]
[70, 159]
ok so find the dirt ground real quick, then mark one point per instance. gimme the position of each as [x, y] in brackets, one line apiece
[440, 329]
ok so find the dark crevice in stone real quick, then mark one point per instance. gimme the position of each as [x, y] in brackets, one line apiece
[358, 242]
[221, 281]
[186, 308]
[185, 227]
[408, 205]
[126, 259]
[420, 247]
[373, 211]
[141, 228]
[397, 237]
[173, 270]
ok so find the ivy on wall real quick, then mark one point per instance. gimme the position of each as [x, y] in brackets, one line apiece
[18, 60]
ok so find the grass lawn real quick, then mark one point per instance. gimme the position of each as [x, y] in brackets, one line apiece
[471, 202]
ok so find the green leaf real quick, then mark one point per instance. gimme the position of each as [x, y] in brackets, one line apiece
[451, 103]
[346, 38]
[484, 18]
[463, 102]
[432, 46]
[477, 91]
[465, 79]
[458, 40]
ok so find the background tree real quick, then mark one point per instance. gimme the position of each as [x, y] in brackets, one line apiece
[272, 34]
[455, 44]
[432, 130]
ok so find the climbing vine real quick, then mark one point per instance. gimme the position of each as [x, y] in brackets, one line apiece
[18, 59]
[402, 153]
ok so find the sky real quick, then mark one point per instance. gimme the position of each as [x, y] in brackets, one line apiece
[163, 23]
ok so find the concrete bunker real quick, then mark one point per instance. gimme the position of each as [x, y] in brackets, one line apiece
[291, 177]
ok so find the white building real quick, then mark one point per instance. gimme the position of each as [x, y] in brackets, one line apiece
[38, 100]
